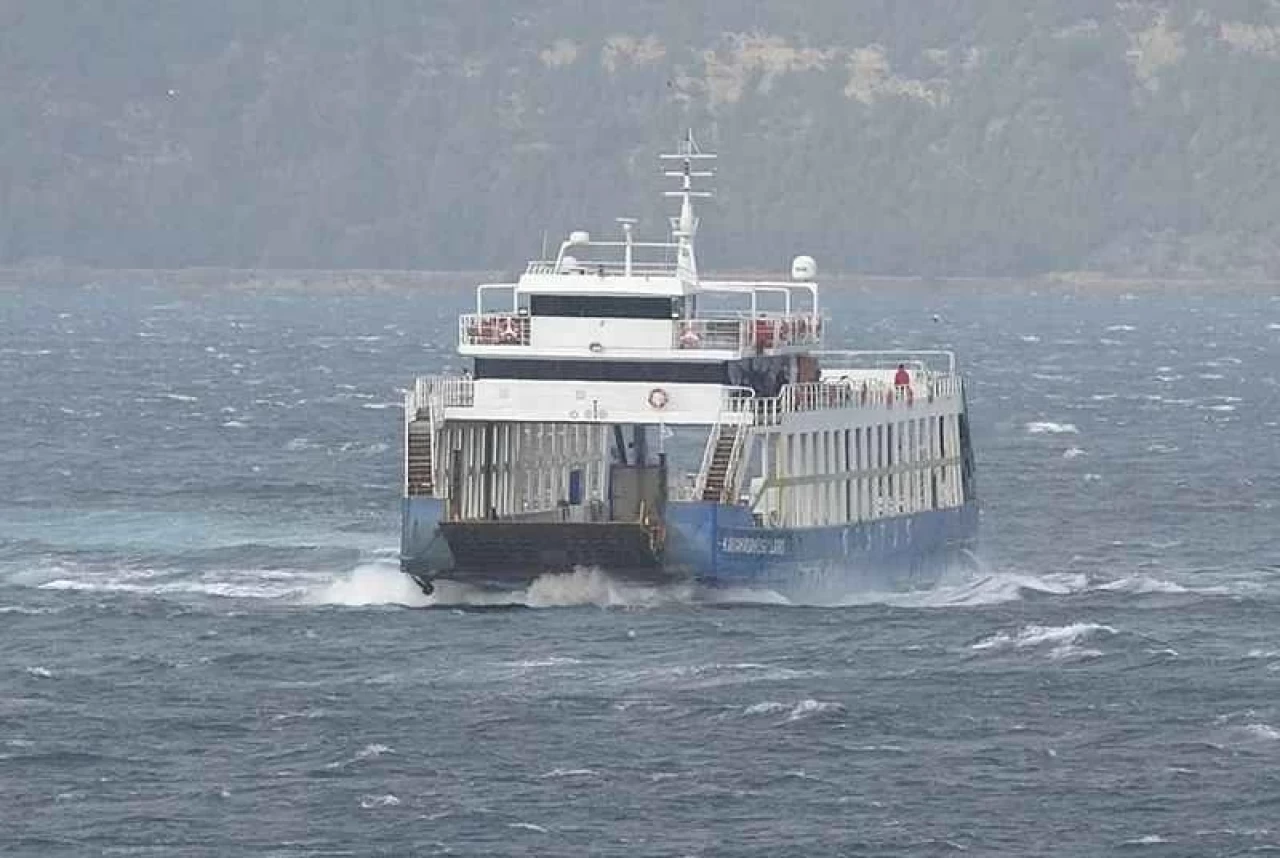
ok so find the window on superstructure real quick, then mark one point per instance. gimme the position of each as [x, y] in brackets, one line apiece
[653, 372]
[605, 306]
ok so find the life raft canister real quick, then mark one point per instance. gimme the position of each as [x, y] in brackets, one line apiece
[507, 333]
[658, 398]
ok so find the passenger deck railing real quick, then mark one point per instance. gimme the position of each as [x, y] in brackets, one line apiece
[828, 395]
[493, 329]
[601, 268]
[431, 392]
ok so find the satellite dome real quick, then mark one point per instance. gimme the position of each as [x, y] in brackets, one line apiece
[803, 268]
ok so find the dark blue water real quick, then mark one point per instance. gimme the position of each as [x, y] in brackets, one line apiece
[205, 649]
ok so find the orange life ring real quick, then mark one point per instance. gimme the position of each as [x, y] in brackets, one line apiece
[658, 399]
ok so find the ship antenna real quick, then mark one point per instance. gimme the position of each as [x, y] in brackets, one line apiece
[685, 226]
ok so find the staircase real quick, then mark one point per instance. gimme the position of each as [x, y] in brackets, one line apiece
[723, 445]
[420, 463]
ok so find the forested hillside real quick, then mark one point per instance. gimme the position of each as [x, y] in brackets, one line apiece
[925, 137]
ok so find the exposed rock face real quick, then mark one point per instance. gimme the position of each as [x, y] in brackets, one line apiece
[940, 138]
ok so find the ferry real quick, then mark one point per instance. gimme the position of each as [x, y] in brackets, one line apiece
[622, 413]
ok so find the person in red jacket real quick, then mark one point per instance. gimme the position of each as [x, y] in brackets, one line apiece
[902, 378]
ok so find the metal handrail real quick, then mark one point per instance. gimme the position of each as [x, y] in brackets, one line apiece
[493, 329]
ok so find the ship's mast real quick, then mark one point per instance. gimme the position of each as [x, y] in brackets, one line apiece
[685, 226]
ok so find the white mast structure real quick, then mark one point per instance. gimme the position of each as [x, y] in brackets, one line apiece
[684, 227]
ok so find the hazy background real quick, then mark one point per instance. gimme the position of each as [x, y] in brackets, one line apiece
[971, 138]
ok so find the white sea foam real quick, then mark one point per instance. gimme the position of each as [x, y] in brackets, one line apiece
[594, 587]
[40, 672]
[1061, 641]
[814, 708]
[1073, 453]
[372, 750]
[798, 711]
[1146, 840]
[371, 584]
[553, 661]
[1143, 584]
[1121, 328]
[369, 802]
[1045, 427]
[528, 826]
[988, 589]
[384, 584]
[1263, 731]
[558, 773]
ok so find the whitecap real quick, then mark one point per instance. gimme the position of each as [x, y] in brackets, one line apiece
[373, 750]
[1263, 731]
[234, 424]
[381, 406]
[368, 802]
[1029, 338]
[1063, 641]
[528, 826]
[557, 773]
[766, 707]
[40, 672]
[814, 708]
[1142, 585]
[1045, 427]
[1121, 328]
[1146, 840]
[552, 661]
[1073, 453]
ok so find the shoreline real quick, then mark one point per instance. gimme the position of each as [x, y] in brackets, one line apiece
[14, 276]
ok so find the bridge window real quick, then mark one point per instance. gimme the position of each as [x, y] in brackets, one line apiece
[653, 372]
[605, 306]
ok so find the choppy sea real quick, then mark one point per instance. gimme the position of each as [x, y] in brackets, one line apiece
[206, 649]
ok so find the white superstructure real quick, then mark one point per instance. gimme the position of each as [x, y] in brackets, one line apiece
[573, 361]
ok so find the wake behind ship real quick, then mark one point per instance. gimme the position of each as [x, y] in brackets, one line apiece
[821, 472]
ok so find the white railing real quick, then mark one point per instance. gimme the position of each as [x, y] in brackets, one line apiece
[915, 360]
[493, 329]
[738, 409]
[827, 396]
[745, 332]
[775, 330]
[601, 268]
[443, 391]
[703, 333]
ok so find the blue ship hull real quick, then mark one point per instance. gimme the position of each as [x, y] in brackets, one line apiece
[719, 546]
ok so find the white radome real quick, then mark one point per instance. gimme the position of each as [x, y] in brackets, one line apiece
[803, 268]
